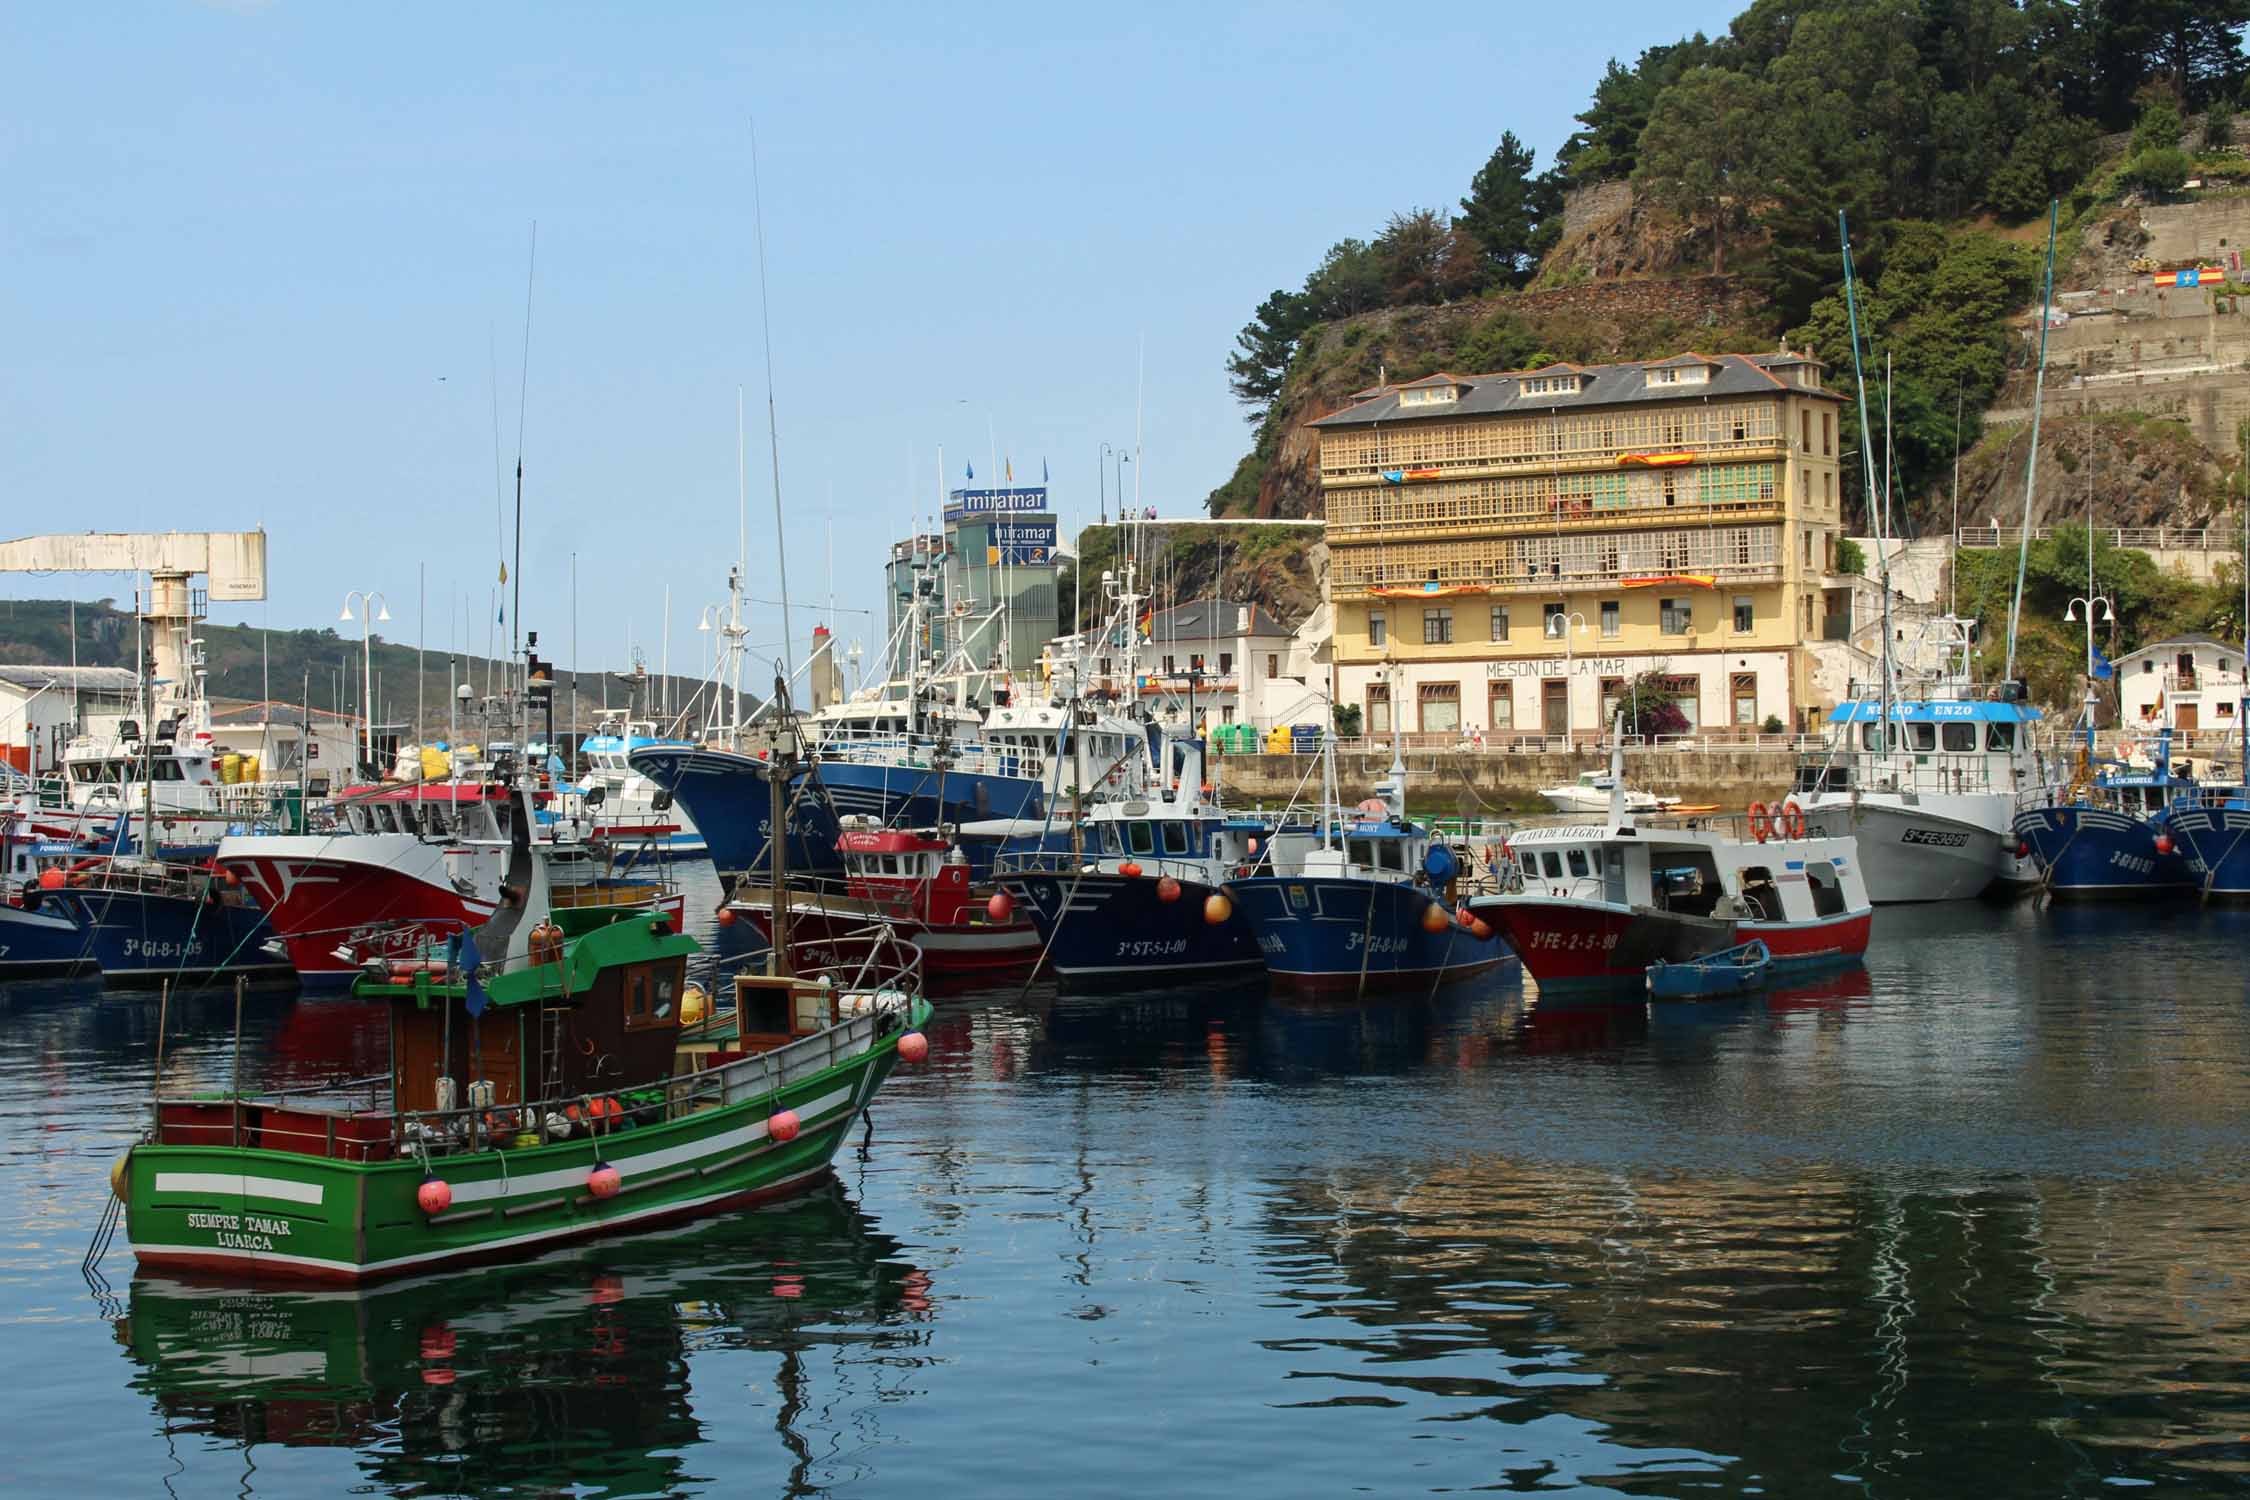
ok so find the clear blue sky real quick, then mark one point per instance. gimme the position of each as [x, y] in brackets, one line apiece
[257, 260]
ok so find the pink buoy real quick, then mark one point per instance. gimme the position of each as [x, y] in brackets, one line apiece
[726, 916]
[605, 1181]
[1167, 889]
[781, 1125]
[435, 1195]
[913, 1047]
[1001, 907]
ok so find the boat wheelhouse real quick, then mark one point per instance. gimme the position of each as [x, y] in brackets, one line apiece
[637, 816]
[2111, 835]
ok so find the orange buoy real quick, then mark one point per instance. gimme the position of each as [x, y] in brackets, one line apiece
[913, 1047]
[1217, 908]
[2164, 843]
[1001, 907]
[1760, 823]
[726, 916]
[52, 880]
[1434, 918]
[1130, 870]
[1481, 929]
[1167, 889]
[1793, 817]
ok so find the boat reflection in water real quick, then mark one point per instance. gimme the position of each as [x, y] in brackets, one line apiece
[566, 1374]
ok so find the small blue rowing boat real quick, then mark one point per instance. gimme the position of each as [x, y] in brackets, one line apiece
[1731, 971]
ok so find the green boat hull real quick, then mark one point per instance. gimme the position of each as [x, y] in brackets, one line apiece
[266, 1215]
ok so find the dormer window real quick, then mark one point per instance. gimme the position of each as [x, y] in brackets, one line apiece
[1551, 385]
[1429, 395]
[1681, 375]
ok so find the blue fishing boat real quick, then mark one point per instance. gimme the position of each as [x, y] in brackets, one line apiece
[142, 921]
[1371, 909]
[2108, 839]
[1731, 971]
[1142, 897]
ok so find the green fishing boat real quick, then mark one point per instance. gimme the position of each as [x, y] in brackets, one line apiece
[549, 1082]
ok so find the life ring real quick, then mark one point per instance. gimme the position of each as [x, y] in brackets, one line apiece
[1793, 817]
[1761, 822]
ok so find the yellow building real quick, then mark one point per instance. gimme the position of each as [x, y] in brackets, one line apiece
[1505, 551]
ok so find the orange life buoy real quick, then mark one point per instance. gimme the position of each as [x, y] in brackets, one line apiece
[1794, 818]
[1761, 822]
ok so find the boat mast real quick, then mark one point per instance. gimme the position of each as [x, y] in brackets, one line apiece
[2031, 465]
[1866, 440]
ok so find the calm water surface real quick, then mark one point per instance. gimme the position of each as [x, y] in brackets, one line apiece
[1964, 1223]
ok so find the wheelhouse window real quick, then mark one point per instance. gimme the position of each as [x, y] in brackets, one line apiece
[1390, 854]
[2000, 735]
[1139, 839]
[1577, 861]
[1827, 890]
[1175, 838]
[1958, 736]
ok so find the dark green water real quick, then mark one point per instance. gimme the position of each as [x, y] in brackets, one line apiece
[1966, 1223]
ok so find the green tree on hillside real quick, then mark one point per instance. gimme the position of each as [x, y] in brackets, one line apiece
[1607, 146]
[1512, 215]
[1698, 155]
[1424, 259]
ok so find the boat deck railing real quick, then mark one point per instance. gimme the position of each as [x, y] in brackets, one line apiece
[1932, 772]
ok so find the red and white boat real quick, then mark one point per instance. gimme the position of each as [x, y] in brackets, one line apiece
[1591, 906]
[409, 864]
[412, 863]
[916, 882]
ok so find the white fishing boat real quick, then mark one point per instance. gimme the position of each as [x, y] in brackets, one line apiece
[1590, 794]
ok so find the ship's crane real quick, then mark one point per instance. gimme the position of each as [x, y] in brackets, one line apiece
[233, 561]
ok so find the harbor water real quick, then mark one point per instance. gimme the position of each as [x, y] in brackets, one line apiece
[1965, 1222]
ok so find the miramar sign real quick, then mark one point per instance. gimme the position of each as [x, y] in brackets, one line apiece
[961, 504]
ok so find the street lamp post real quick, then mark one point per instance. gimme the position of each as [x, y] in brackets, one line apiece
[2109, 617]
[1563, 624]
[373, 608]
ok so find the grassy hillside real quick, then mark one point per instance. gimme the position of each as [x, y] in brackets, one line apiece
[321, 665]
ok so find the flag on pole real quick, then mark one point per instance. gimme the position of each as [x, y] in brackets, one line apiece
[972, 468]
[1010, 472]
[1043, 472]
[2103, 666]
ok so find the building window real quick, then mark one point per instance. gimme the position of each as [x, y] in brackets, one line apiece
[1686, 693]
[1675, 616]
[1744, 686]
[1378, 709]
[1375, 635]
[1441, 707]
[1499, 622]
[1744, 615]
[1169, 669]
[1612, 623]
[1437, 627]
[1273, 665]
[2147, 667]
[1226, 715]
[1828, 439]
[1553, 620]
[1613, 692]
[1226, 663]
[1805, 428]
[1503, 707]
